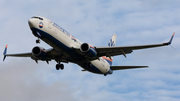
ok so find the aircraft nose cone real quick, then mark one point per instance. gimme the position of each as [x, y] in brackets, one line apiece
[31, 23]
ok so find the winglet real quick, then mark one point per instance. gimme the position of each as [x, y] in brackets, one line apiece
[5, 51]
[170, 41]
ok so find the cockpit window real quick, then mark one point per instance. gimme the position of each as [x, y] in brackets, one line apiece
[38, 18]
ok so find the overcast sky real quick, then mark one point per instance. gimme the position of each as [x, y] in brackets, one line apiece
[136, 22]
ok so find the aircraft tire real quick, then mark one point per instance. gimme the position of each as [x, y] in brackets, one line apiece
[57, 66]
[61, 66]
[37, 41]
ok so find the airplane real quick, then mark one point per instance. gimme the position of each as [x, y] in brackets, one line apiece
[66, 48]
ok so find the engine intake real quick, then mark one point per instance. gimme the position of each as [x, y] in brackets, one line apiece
[40, 53]
[88, 50]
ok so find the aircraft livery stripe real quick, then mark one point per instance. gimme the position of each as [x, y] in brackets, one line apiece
[107, 58]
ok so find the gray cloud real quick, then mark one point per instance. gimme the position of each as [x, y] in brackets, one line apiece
[25, 81]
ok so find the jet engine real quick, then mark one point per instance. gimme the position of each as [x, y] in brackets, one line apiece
[40, 53]
[88, 50]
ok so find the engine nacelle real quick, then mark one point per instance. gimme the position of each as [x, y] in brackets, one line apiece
[39, 53]
[88, 50]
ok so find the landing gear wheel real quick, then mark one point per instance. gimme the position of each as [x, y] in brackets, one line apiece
[61, 66]
[37, 41]
[105, 74]
[57, 66]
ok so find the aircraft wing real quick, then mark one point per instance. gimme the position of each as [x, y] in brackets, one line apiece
[52, 54]
[18, 55]
[123, 50]
[126, 67]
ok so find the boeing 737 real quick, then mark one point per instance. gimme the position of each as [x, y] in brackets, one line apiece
[66, 48]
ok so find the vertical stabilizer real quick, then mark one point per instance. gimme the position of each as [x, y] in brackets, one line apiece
[111, 43]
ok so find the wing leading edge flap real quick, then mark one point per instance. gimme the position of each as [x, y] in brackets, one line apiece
[126, 67]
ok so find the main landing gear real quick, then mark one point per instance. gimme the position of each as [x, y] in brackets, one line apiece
[59, 66]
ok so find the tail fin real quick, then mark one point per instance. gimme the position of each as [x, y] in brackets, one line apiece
[111, 43]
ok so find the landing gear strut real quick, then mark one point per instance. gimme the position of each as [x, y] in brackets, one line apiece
[59, 66]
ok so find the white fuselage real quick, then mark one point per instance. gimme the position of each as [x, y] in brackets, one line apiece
[65, 41]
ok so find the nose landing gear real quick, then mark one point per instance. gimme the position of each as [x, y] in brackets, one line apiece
[37, 34]
[37, 41]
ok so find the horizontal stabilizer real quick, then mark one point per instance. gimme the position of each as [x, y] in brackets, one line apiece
[126, 67]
